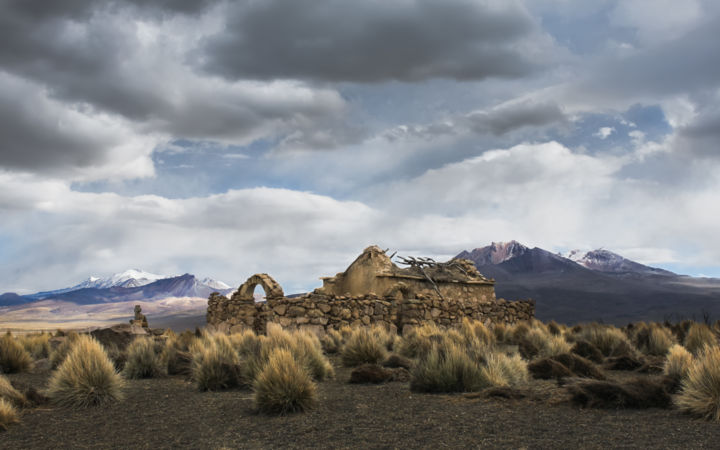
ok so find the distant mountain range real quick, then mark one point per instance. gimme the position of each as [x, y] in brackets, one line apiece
[133, 284]
[598, 285]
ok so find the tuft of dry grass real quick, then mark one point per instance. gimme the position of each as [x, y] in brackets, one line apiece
[283, 386]
[473, 330]
[698, 336]
[143, 361]
[59, 354]
[418, 340]
[653, 339]
[363, 346]
[304, 346]
[502, 333]
[214, 363]
[609, 340]
[38, 345]
[8, 414]
[86, 377]
[332, 341]
[700, 392]
[13, 357]
[678, 362]
[513, 368]
[9, 393]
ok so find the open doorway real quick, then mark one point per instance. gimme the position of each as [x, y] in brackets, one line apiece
[259, 294]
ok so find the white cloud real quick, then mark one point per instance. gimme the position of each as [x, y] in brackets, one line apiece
[604, 132]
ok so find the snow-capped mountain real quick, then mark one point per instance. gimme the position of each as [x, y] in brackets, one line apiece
[606, 261]
[215, 284]
[135, 283]
[593, 285]
[129, 278]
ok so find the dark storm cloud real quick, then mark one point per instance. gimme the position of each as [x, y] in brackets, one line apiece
[370, 41]
[701, 137]
[34, 135]
[504, 119]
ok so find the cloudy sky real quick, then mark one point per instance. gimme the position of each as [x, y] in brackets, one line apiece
[284, 136]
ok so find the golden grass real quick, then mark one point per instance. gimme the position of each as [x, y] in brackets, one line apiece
[417, 341]
[38, 345]
[363, 346]
[698, 336]
[609, 340]
[59, 354]
[678, 362]
[86, 377]
[214, 363]
[700, 393]
[283, 386]
[332, 341]
[143, 361]
[9, 393]
[13, 357]
[8, 414]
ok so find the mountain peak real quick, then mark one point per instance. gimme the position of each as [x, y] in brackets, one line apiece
[495, 253]
[604, 260]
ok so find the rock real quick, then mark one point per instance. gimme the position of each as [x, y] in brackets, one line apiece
[118, 336]
[370, 373]
[296, 311]
[280, 310]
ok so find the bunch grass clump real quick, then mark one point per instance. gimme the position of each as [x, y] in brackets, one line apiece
[332, 341]
[700, 392]
[678, 362]
[9, 393]
[59, 354]
[38, 345]
[13, 357]
[304, 346]
[214, 363]
[609, 340]
[451, 367]
[652, 339]
[283, 386]
[143, 361]
[363, 346]
[86, 377]
[8, 414]
[418, 340]
[698, 337]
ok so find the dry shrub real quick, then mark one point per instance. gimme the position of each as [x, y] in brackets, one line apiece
[539, 342]
[8, 414]
[363, 346]
[474, 330]
[513, 368]
[502, 333]
[518, 331]
[609, 340]
[215, 363]
[332, 341]
[625, 362]
[9, 393]
[587, 350]
[548, 368]
[13, 357]
[304, 346]
[283, 386]
[86, 377]
[580, 366]
[38, 345]
[637, 393]
[698, 336]
[678, 362]
[394, 361]
[177, 358]
[555, 345]
[450, 367]
[553, 328]
[700, 393]
[417, 342]
[447, 368]
[653, 339]
[143, 361]
[59, 354]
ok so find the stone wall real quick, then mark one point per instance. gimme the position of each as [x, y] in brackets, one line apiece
[319, 312]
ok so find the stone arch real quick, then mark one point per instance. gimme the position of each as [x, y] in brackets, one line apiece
[271, 287]
[399, 292]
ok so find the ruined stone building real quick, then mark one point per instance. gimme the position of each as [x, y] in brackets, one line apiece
[373, 290]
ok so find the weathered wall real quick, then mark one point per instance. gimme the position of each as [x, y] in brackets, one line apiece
[320, 312]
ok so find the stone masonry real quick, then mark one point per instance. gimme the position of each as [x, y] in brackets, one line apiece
[373, 290]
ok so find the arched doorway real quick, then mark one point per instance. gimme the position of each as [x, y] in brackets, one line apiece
[271, 287]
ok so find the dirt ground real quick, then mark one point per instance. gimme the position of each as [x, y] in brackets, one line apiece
[172, 413]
